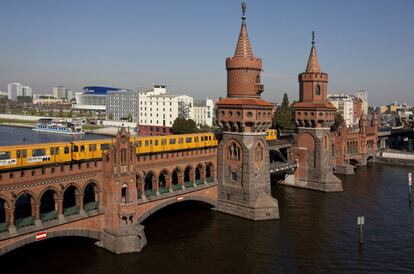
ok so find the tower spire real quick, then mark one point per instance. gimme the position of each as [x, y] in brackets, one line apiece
[313, 63]
[243, 47]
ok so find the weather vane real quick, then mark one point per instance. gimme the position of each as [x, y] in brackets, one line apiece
[243, 6]
[313, 37]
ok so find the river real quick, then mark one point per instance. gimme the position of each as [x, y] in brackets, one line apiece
[18, 136]
[316, 233]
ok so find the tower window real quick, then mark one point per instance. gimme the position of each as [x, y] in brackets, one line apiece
[257, 79]
[318, 90]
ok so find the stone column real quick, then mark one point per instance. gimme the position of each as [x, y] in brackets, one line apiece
[10, 219]
[79, 203]
[168, 183]
[155, 185]
[181, 180]
[203, 175]
[192, 177]
[36, 212]
[59, 202]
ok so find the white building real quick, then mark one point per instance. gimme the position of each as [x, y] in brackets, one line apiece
[363, 95]
[61, 92]
[157, 108]
[122, 105]
[344, 105]
[203, 112]
[16, 89]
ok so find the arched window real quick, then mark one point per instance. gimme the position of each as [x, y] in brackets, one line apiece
[318, 90]
[257, 79]
[124, 194]
[259, 152]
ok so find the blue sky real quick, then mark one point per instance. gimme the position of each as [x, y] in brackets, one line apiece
[132, 44]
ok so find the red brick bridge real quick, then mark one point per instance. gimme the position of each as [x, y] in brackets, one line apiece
[104, 200]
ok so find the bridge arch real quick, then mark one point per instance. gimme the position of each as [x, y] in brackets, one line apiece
[25, 209]
[188, 173]
[166, 203]
[90, 192]
[48, 201]
[3, 220]
[71, 199]
[85, 233]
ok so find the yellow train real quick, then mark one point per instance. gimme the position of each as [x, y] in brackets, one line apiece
[24, 156]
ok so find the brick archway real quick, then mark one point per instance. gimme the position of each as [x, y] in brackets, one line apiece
[86, 233]
[166, 203]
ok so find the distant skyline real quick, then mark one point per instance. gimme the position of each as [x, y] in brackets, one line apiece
[183, 44]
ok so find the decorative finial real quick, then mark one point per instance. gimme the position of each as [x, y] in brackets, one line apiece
[243, 6]
[313, 38]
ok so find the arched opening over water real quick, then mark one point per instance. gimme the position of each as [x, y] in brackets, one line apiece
[3, 224]
[48, 205]
[187, 175]
[354, 162]
[209, 172]
[148, 187]
[39, 254]
[71, 201]
[162, 181]
[90, 197]
[184, 221]
[198, 173]
[24, 214]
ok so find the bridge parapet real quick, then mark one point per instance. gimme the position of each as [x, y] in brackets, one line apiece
[47, 172]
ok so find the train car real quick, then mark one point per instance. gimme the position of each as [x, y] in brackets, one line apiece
[89, 149]
[34, 155]
[271, 134]
[154, 144]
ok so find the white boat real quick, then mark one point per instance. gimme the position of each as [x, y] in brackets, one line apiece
[63, 126]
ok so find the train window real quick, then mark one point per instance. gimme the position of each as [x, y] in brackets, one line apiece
[163, 142]
[180, 140]
[139, 143]
[172, 141]
[66, 150]
[209, 138]
[56, 150]
[52, 151]
[82, 148]
[195, 139]
[75, 148]
[188, 140]
[18, 153]
[24, 153]
[156, 142]
[92, 147]
[146, 142]
[104, 146]
[38, 152]
[150, 142]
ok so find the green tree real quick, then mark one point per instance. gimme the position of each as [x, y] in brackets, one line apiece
[205, 128]
[339, 122]
[183, 126]
[283, 116]
[110, 116]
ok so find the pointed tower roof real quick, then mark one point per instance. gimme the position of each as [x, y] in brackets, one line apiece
[243, 48]
[313, 63]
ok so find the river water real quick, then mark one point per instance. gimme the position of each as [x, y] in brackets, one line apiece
[316, 233]
[19, 136]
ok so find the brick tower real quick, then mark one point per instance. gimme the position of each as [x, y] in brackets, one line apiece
[243, 155]
[121, 234]
[314, 115]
